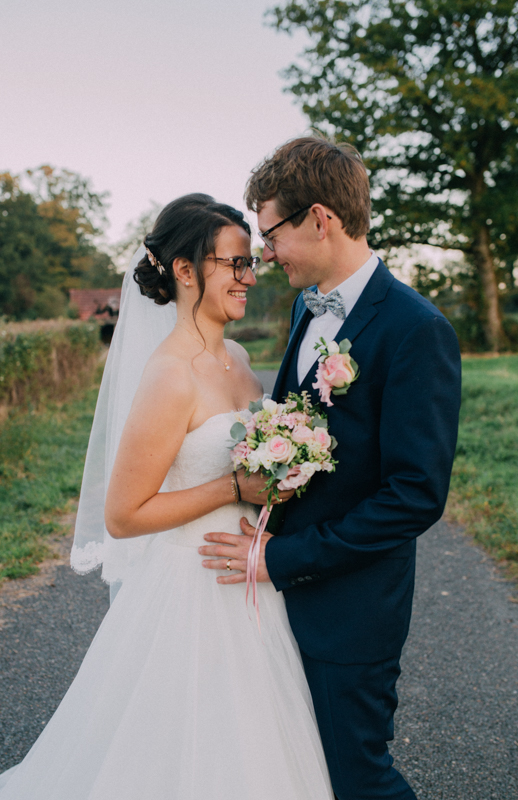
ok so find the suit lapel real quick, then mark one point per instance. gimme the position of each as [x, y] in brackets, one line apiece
[291, 352]
[364, 311]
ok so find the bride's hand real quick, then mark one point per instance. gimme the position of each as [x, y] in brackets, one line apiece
[251, 487]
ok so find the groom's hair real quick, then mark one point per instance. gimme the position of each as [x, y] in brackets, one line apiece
[313, 170]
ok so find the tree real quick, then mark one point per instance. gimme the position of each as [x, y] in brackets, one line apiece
[50, 221]
[427, 90]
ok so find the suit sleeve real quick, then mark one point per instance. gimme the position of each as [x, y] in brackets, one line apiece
[418, 434]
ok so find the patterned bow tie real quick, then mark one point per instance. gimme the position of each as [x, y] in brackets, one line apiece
[330, 302]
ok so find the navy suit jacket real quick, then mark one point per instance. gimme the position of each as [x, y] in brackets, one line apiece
[345, 555]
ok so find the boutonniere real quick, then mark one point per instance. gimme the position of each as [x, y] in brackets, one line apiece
[336, 369]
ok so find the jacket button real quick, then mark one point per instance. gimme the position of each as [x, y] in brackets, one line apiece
[293, 581]
[300, 579]
[316, 575]
[309, 578]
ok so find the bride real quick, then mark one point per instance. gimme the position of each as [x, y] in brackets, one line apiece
[179, 696]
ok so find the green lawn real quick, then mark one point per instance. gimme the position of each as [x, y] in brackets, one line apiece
[42, 455]
[484, 489]
[41, 465]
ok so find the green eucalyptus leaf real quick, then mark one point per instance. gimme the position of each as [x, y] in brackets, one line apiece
[343, 390]
[282, 472]
[255, 405]
[334, 443]
[238, 431]
[345, 346]
[319, 422]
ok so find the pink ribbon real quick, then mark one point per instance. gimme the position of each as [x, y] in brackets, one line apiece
[253, 561]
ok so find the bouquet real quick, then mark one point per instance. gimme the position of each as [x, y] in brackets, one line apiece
[288, 442]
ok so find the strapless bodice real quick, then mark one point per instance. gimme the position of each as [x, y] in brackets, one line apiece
[203, 457]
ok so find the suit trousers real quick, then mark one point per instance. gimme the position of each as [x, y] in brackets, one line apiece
[354, 706]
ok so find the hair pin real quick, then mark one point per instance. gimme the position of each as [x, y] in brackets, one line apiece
[153, 260]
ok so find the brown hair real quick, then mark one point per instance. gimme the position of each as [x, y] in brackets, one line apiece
[186, 228]
[313, 170]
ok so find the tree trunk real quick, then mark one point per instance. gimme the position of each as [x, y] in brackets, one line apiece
[484, 263]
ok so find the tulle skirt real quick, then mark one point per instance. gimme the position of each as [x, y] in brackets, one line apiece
[181, 698]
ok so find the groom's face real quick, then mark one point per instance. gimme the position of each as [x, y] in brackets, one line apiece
[299, 251]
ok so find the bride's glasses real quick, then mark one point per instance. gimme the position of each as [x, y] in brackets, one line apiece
[240, 264]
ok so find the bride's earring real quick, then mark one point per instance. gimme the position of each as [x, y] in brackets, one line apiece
[187, 284]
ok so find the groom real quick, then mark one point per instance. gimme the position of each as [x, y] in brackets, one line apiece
[345, 557]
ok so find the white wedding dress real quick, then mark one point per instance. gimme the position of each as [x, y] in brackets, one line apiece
[179, 697]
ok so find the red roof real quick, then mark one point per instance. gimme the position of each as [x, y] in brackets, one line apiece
[96, 302]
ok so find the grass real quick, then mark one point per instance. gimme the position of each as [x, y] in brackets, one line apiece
[41, 464]
[42, 455]
[484, 488]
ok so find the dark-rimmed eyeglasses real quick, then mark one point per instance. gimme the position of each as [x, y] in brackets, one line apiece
[265, 235]
[239, 264]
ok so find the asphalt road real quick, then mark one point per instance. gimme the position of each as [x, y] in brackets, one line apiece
[457, 725]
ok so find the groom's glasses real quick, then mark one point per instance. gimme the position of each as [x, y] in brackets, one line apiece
[265, 236]
[240, 264]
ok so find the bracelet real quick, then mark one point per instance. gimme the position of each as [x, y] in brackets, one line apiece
[237, 485]
[235, 488]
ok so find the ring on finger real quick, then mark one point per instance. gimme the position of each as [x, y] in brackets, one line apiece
[228, 565]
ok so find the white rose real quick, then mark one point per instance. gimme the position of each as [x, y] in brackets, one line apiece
[308, 469]
[333, 348]
[327, 466]
[254, 460]
[270, 406]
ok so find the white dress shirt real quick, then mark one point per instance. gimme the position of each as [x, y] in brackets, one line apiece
[328, 325]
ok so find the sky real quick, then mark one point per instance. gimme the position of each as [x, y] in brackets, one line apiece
[150, 100]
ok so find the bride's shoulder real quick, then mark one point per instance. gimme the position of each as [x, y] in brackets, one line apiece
[237, 350]
[168, 377]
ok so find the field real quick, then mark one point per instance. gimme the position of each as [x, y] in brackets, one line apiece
[42, 454]
[41, 464]
[484, 488]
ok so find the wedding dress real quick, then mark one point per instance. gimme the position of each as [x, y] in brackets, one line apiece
[179, 696]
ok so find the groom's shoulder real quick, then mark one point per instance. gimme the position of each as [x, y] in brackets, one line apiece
[408, 304]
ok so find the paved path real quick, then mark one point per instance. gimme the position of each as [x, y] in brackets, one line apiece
[457, 726]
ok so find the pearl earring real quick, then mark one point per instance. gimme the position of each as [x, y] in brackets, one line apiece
[187, 284]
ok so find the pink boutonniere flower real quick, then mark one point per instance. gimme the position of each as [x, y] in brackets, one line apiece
[336, 369]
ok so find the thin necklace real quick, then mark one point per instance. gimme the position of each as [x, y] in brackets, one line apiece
[225, 364]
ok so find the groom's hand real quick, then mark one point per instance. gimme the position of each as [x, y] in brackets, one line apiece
[236, 549]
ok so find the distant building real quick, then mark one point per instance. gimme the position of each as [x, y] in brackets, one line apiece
[103, 304]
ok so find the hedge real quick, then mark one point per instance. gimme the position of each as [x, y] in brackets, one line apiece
[46, 360]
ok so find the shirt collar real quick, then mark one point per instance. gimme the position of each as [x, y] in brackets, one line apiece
[353, 286]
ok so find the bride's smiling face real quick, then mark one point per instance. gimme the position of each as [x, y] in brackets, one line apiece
[224, 298]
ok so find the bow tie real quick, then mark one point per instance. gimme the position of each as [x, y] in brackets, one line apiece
[330, 302]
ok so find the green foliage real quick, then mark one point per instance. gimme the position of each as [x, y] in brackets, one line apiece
[428, 92]
[483, 491]
[49, 223]
[39, 361]
[41, 466]
[454, 290]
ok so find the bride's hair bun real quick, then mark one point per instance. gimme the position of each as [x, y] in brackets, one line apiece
[186, 228]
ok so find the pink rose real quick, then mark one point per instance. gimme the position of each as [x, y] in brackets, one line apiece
[302, 434]
[280, 449]
[322, 437]
[338, 370]
[323, 386]
[251, 427]
[294, 479]
[240, 453]
[333, 373]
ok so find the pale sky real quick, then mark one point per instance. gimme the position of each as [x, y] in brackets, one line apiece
[150, 101]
